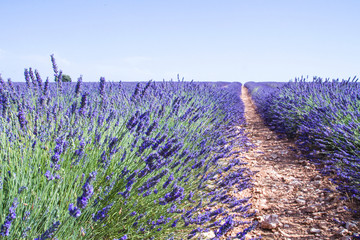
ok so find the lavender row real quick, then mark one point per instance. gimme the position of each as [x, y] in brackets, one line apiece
[324, 117]
[121, 160]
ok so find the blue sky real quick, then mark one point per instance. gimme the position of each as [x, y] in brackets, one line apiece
[204, 40]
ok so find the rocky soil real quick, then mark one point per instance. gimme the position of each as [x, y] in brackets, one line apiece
[291, 198]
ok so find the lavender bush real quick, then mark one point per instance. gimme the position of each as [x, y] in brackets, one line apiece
[120, 160]
[324, 117]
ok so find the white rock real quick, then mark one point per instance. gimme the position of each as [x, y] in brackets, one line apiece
[270, 221]
[317, 177]
[323, 225]
[296, 183]
[351, 226]
[291, 178]
[343, 232]
[208, 235]
[283, 152]
[263, 204]
[311, 209]
[315, 230]
[300, 201]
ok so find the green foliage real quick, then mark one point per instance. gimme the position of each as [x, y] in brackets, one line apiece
[66, 78]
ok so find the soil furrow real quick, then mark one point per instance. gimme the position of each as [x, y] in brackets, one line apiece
[291, 198]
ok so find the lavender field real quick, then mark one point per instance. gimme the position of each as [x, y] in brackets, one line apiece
[156, 160]
[121, 160]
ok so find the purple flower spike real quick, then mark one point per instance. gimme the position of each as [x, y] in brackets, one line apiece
[5, 228]
[22, 119]
[101, 215]
[102, 87]
[27, 78]
[74, 211]
[83, 200]
[83, 103]
[228, 225]
[55, 68]
[122, 238]
[50, 232]
[78, 86]
[88, 191]
[177, 194]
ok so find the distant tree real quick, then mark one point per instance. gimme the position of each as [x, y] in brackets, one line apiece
[66, 78]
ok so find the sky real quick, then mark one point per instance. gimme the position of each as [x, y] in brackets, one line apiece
[201, 40]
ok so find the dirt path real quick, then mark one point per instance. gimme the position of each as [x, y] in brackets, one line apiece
[290, 189]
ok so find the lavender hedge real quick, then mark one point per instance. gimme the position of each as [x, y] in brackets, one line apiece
[120, 161]
[324, 117]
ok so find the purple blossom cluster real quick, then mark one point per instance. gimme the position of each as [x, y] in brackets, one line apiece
[5, 227]
[83, 200]
[49, 232]
[101, 214]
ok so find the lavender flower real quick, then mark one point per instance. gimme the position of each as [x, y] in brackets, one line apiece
[191, 194]
[112, 145]
[88, 191]
[22, 189]
[5, 228]
[227, 226]
[32, 76]
[101, 215]
[242, 234]
[46, 87]
[83, 103]
[146, 88]
[27, 214]
[38, 79]
[48, 175]
[11, 86]
[122, 238]
[55, 68]
[22, 119]
[59, 80]
[168, 181]
[5, 104]
[136, 92]
[58, 150]
[78, 86]
[102, 87]
[50, 232]
[74, 211]
[151, 128]
[27, 78]
[104, 160]
[83, 200]
[174, 223]
[177, 194]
